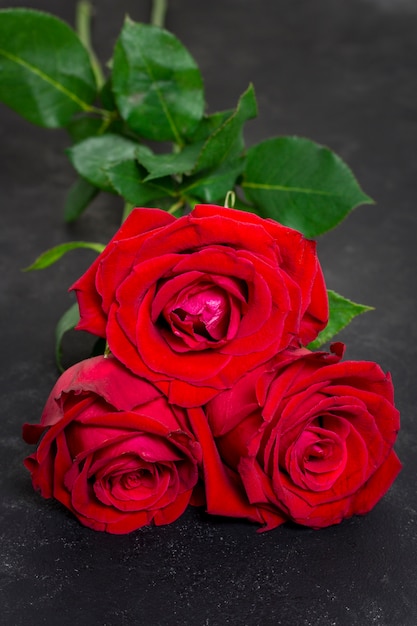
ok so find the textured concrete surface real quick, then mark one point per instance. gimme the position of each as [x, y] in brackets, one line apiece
[345, 75]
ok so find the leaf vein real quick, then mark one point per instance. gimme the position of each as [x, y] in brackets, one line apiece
[161, 99]
[31, 68]
[268, 187]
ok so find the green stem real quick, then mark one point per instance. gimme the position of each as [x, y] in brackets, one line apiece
[159, 9]
[126, 210]
[191, 201]
[83, 15]
[108, 116]
[174, 207]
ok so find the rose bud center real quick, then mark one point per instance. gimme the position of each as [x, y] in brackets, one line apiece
[205, 313]
[318, 457]
[140, 477]
[198, 313]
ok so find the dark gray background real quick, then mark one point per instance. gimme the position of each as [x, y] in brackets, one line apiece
[342, 73]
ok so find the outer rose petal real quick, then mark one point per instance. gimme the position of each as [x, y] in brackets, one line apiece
[104, 377]
[224, 493]
[114, 452]
[377, 486]
[89, 299]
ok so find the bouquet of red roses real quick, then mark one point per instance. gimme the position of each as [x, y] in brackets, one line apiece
[206, 394]
[209, 390]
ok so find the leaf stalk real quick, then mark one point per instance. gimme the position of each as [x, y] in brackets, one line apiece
[159, 9]
[84, 11]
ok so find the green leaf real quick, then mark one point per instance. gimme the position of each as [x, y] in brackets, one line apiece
[300, 184]
[157, 84]
[81, 128]
[127, 179]
[243, 206]
[159, 165]
[79, 197]
[213, 187]
[84, 127]
[93, 157]
[51, 256]
[107, 96]
[67, 322]
[341, 312]
[46, 75]
[209, 124]
[226, 142]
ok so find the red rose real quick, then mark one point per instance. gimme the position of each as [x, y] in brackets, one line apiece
[193, 303]
[308, 437]
[114, 452]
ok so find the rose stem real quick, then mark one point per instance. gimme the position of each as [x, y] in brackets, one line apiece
[159, 9]
[83, 14]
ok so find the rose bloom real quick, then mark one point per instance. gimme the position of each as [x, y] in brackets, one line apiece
[195, 302]
[113, 450]
[306, 438]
